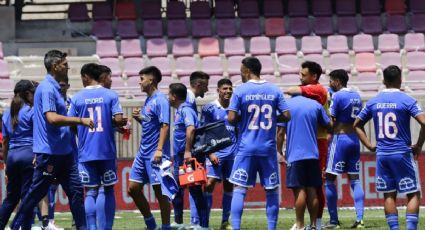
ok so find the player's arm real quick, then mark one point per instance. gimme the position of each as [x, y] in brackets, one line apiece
[233, 117]
[59, 120]
[416, 148]
[294, 90]
[285, 116]
[136, 115]
[359, 128]
[118, 120]
[190, 136]
[280, 139]
[163, 134]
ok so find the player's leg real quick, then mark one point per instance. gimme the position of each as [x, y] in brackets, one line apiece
[332, 198]
[108, 172]
[243, 176]
[227, 194]
[44, 210]
[358, 195]
[213, 176]
[164, 206]
[269, 177]
[100, 208]
[139, 177]
[412, 211]
[390, 210]
[313, 204]
[72, 185]
[179, 198]
[199, 198]
[43, 175]
[311, 182]
[52, 202]
[323, 152]
[300, 197]
[91, 182]
[386, 183]
[335, 166]
[13, 188]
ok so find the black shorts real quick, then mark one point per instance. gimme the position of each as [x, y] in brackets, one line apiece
[303, 173]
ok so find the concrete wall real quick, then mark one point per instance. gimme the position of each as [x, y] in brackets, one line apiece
[7, 23]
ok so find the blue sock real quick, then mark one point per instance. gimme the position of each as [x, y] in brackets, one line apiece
[392, 220]
[272, 208]
[52, 201]
[356, 186]
[150, 223]
[239, 194]
[226, 204]
[100, 209]
[208, 196]
[332, 197]
[166, 227]
[200, 203]
[178, 206]
[90, 207]
[412, 221]
[109, 206]
[194, 217]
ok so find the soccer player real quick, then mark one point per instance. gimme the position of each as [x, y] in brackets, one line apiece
[258, 102]
[154, 147]
[17, 133]
[396, 170]
[303, 172]
[105, 77]
[52, 145]
[344, 151]
[97, 151]
[221, 169]
[185, 122]
[310, 87]
[198, 88]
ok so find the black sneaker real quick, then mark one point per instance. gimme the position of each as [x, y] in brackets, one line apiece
[358, 224]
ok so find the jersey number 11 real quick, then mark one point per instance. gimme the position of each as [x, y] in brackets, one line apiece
[98, 123]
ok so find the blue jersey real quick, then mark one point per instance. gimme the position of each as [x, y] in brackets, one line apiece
[301, 130]
[99, 104]
[345, 106]
[258, 103]
[185, 116]
[213, 112]
[22, 134]
[391, 110]
[155, 112]
[191, 100]
[50, 139]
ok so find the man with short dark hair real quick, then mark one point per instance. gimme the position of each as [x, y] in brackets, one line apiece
[310, 87]
[344, 151]
[185, 123]
[105, 78]
[396, 170]
[254, 106]
[221, 163]
[52, 145]
[154, 117]
[198, 87]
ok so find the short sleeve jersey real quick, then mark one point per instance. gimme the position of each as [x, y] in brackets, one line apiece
[213, 112]
[21, 135]
[346, 105]
[257, 102]
[391, 110]
[185, 116]
[50, 139]
[99, 104]
[155, 112]
[306, 114]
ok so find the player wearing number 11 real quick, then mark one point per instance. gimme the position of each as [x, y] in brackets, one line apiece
[96, 147]
[258, 103]
[396, 170]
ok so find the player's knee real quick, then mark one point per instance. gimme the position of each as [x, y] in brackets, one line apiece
[209, 187]
[227, 186]
[92, 192]
[352, 177]
[330, 177]
[134, 189]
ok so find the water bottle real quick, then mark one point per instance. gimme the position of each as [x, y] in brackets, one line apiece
[189, 169]
[127, 131]
[181, 171]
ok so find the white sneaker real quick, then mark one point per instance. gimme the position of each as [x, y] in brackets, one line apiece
[294, 227]
[52, 226]
[35, 227]
[177, 226]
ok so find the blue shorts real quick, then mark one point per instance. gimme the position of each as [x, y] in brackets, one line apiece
[96, 173]
[344, 154]
[222, 171]
[245, 168]
[303, 173]
[397, 172]
[142, 172]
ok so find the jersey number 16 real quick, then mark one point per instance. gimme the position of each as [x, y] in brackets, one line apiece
[385, 123]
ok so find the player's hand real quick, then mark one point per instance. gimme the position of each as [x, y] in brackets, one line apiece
[281, 158]
[157, 157]
[136, 114]
[122, 123]
[416, 150]
[372, 148]
[87, 122]
[214, 159]
[187, 156]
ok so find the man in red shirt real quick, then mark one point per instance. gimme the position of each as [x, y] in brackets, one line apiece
[310, 87]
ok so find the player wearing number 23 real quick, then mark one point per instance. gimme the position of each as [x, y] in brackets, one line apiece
[396, 170]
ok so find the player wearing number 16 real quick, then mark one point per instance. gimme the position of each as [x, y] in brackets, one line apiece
[396, 170]
[258, 103]
[96, 146]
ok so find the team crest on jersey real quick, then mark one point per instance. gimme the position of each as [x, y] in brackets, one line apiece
[148, 109]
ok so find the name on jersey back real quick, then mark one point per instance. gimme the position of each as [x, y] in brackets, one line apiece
[97, 100]
[386, 106]
[254, 97]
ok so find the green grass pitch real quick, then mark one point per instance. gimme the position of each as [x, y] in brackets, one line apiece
[254, 219]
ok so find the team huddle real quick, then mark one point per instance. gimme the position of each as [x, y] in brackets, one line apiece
[71, 141]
